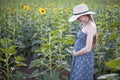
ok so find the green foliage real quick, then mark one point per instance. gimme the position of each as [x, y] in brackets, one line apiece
[113, 64]
[109, 77]
[109, 40]
[19, 75]
[7, 52]
[35, 63]
[49, 38]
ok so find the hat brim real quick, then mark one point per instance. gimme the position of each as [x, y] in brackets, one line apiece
[74, 17]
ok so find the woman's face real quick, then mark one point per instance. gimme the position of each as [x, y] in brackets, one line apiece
[82, 18]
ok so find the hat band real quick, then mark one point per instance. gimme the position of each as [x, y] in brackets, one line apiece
[81, 13]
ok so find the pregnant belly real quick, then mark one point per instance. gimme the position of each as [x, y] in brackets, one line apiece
[78, 45]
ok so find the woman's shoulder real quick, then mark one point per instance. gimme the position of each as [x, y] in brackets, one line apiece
[91, 27]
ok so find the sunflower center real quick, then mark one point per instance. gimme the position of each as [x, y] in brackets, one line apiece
[43, 11]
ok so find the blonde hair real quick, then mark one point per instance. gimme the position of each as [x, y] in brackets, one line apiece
[95, 38]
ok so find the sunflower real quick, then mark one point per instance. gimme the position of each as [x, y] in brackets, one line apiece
[26, 7]
[115, 5]
[42, 11]
[108, 8]
[9, 9]
[55, 10]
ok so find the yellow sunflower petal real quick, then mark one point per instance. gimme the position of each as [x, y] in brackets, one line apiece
[42, 11]
[26, 7]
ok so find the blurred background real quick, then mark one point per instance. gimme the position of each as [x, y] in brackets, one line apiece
[36, 39]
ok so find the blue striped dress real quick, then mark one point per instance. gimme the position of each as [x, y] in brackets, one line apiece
[82, 65]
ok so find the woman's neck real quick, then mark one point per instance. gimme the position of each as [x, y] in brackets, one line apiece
[85, 23]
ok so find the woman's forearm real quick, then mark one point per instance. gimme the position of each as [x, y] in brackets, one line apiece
[82, 51]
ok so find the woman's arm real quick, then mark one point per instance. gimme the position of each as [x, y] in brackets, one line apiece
[89, 40]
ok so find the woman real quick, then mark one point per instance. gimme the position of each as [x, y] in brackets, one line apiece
[83, 60]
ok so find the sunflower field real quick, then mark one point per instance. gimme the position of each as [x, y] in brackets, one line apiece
[36, 39]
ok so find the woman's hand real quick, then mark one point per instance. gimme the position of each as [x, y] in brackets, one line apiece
[74, 53]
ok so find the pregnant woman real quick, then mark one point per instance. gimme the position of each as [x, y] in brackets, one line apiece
[83, 59]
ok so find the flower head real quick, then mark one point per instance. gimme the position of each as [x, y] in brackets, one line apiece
[108, 8]
[42, 11]
[26, 7]
[115, 5]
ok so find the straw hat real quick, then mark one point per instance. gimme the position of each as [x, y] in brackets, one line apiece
[80, 10]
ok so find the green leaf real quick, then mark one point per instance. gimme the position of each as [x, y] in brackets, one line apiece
[38, 50]
[107, 76]
[54, 32]
[114, 35]
[113, 64]
[118, 58]
[44, 39]
[47, 45]
[34, 74]
[20, 45]
[20, 63]
[36, 42]
[69, 40]
[11, 50]
[34, 36]
[55, 75]
[1, 59]
[46, 76]
[35, 63]
[62, 29]
[4, 43]
[68, 69]
[19, 75]
[19, 58]
[1, 51]
[60, 56]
